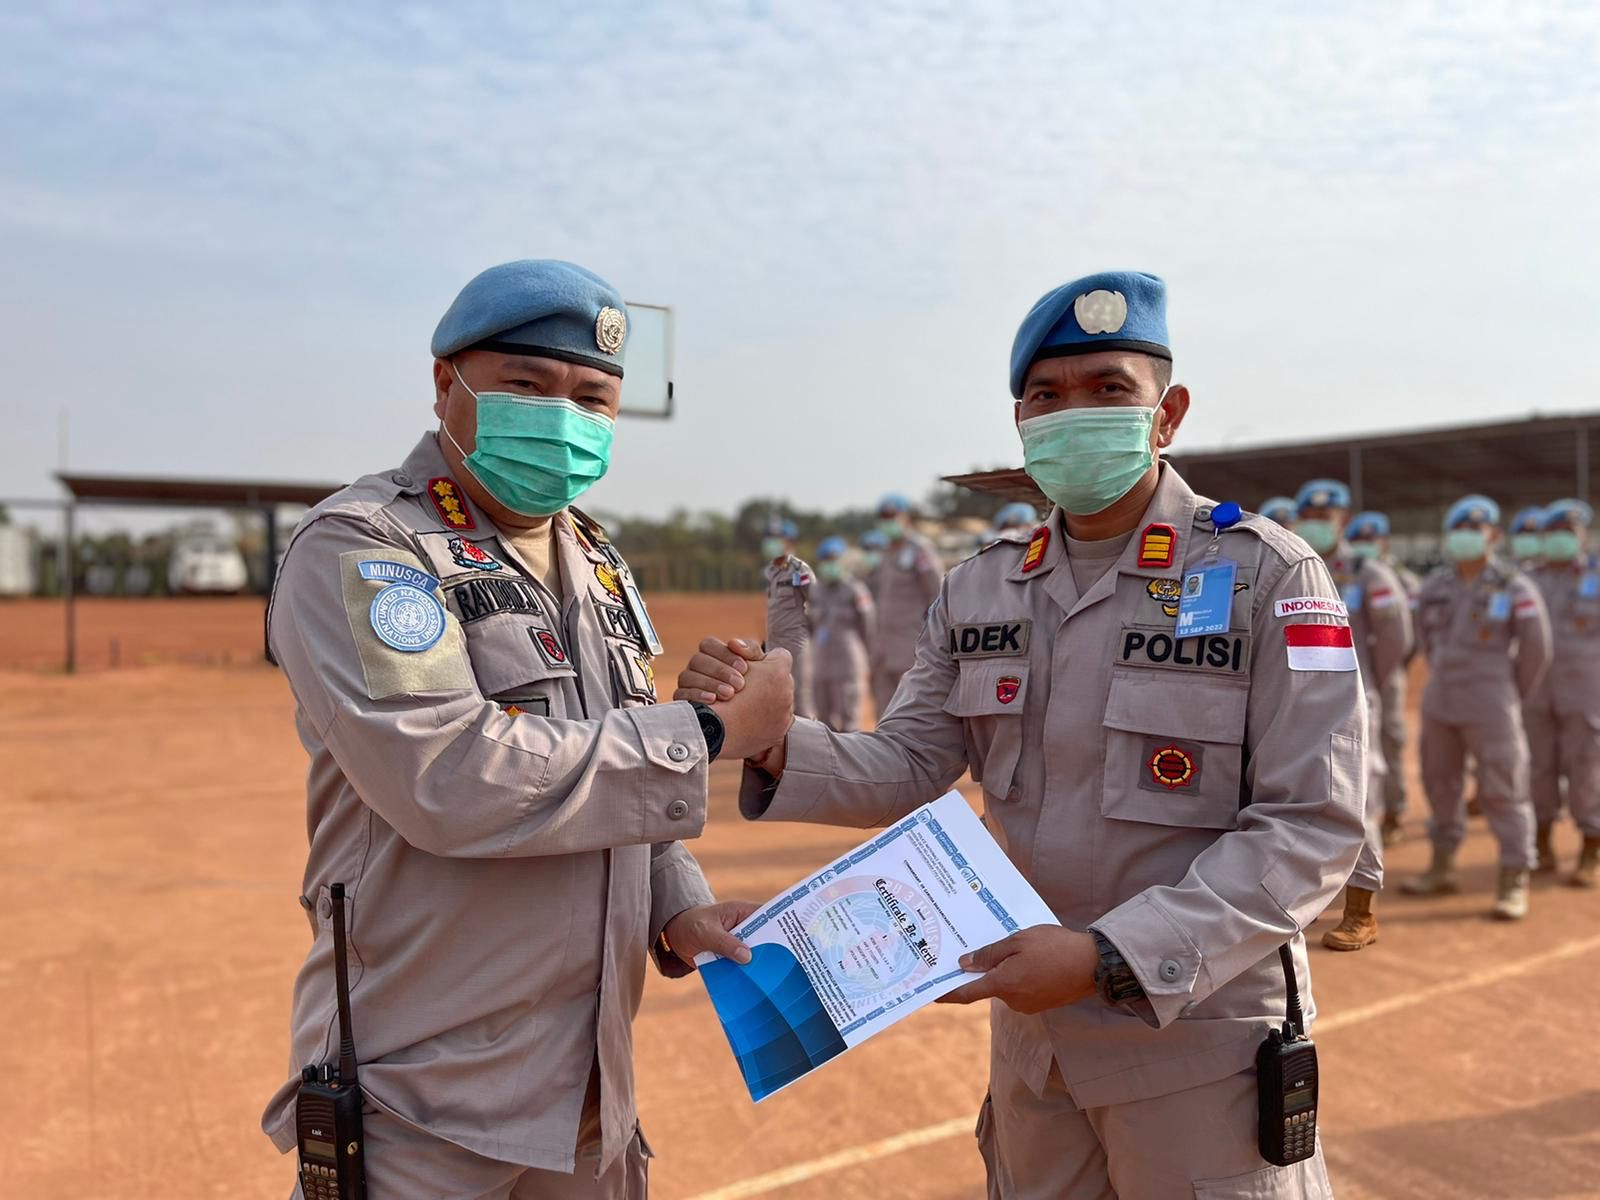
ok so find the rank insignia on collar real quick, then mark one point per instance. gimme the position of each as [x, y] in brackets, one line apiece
[1165, 593]
[1006, 689]
[1036, 548]
[450, 504]
[473, 556]
[1157, 545]
[607, 575]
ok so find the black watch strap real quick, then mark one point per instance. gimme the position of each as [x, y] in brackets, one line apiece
[1113, 977]
[711, 728]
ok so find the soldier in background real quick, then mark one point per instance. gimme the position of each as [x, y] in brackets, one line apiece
[788, 580]
[840, 613]
[1280, 509]
[1564, 732]
[1527, 539]
[1016, 522]
[906, 583]
[1482, 627]
[1380, 626]
[1368, 535]
[871, 544]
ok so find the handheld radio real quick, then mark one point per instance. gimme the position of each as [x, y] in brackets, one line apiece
[327, 1110]
[1286, 1083]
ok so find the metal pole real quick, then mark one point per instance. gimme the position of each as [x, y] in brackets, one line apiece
[1583, 463]
[69, 569]
[1357, 500]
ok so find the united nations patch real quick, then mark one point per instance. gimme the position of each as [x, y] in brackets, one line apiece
[610, 328]
[407, 618]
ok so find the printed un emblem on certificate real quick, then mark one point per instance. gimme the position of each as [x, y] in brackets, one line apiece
[865, 942]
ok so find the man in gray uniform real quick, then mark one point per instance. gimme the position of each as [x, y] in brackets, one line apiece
[1368, 535]
[788, 581]
[491, 778]
[1527, 539]
[1483, 629]
[905, 583]
[1380, 624]
[1186, 803]
[1565, 736]
[840, 618]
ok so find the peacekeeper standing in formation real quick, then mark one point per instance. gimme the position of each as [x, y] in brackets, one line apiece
[1186, 804]
[491, 778]
[789, 580]
[1565, 736]
[1280, 509]
[840, 617]
[1016, 522]
[1368, 535]
[1527, 539]
[1483, 629]
[904, 584]
[1380, 625]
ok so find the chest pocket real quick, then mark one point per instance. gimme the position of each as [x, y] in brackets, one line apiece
[520, 657]
[989, 696]
[1173, 752]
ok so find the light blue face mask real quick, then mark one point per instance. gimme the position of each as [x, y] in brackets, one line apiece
[1526, 545]
[536, 454]
[1466, 545]
[1560, 545]
[1086, 459]
[1364, 550]
[773, 548]
[1319, 533]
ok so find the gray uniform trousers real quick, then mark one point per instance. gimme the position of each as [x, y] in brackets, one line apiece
[1393, 738]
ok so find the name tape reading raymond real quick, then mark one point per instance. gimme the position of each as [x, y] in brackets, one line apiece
[1304, 606]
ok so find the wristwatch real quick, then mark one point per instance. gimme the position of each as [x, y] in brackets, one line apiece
[711, 729]
[1113, 977]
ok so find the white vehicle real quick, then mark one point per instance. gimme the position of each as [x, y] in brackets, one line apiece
[16, 562]
[207, 564]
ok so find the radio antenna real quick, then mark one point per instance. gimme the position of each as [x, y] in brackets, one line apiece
[1294, 1019]
[341, 970]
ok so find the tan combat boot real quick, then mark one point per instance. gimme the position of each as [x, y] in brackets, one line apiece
[1438, 880]
[1511, 897]
[1547, 852]
[1359, 927]
[1588, 873]
[1390, 831]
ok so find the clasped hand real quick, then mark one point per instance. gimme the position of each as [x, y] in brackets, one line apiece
[753, 692]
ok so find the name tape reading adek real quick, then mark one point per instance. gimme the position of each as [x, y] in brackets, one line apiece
[1300, 606]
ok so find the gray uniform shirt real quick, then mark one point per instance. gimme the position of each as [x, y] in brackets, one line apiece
[501, 806]
[904, 585]
[1197, 799]
[841, 617]
[1571, 594]
[1486, 640]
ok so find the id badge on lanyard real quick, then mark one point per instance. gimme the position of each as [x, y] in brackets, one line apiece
[1205, 603]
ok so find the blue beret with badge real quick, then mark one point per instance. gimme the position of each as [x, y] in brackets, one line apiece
[1527, 520]
[1114, 310]
[1367, 525]
[542, 307]
[832, 546]
[1476, 510]
[1322, 493]
[1279, 508]
[1568, 512]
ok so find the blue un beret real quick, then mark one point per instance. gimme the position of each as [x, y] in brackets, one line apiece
[1279, 509]
[873, 540]
[894, 502]
[538, 306]
[1568, 512]
[1114, 310]
[1472, 508]
[1367, 524]
[1528, 520]
[832, 546]
[1322, 493]
[1016, 513]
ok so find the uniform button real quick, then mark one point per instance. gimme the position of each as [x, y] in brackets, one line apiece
[1169, 969]
[1203, 513]
[677, 752]
[401, 479]
[677, 810]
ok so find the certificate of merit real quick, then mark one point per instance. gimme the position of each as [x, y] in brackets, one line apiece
[866, 941]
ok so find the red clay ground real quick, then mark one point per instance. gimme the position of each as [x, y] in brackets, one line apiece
[153, 841]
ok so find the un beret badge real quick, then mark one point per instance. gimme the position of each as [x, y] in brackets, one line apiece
[1101, 311]
[610, 327]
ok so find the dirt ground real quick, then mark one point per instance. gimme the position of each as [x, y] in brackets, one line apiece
[151, 843]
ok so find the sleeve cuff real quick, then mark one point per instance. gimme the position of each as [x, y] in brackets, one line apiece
[807, 773]
[1162, 956]
[674, 801]
[676, 885]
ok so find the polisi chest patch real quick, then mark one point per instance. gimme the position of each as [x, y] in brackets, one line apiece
[998, 639]
[1216, 654]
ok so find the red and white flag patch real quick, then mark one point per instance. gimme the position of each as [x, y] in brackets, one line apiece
[1526, 607]
[1382, 598]
[1320, 647]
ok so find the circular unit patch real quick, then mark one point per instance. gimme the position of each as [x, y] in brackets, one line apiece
[407, 618]
[1172, 767]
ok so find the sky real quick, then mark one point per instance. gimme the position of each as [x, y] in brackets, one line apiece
[227, 231]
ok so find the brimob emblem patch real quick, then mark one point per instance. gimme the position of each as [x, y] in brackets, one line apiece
[549, 646]
[610, 329]
[1007, 688]
[471, 555]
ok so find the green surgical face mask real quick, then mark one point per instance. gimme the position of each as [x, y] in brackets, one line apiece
[1364, 550]
[773, 548]
[1560, 545]
[830, 569]
[872, 558]
[1319, 533]
[1086, 459]
[1465, 545]
[891, 528]
[536, 454]
[1526, 545]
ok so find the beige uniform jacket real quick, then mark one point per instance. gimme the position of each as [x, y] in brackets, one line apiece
[1572, 598]
[905, 583]
[789, 583]
[502, 808]
[1486, 640]
[841, 618]
[1194, 799]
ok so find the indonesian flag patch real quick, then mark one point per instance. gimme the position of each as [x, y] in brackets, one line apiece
[1320, 647]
